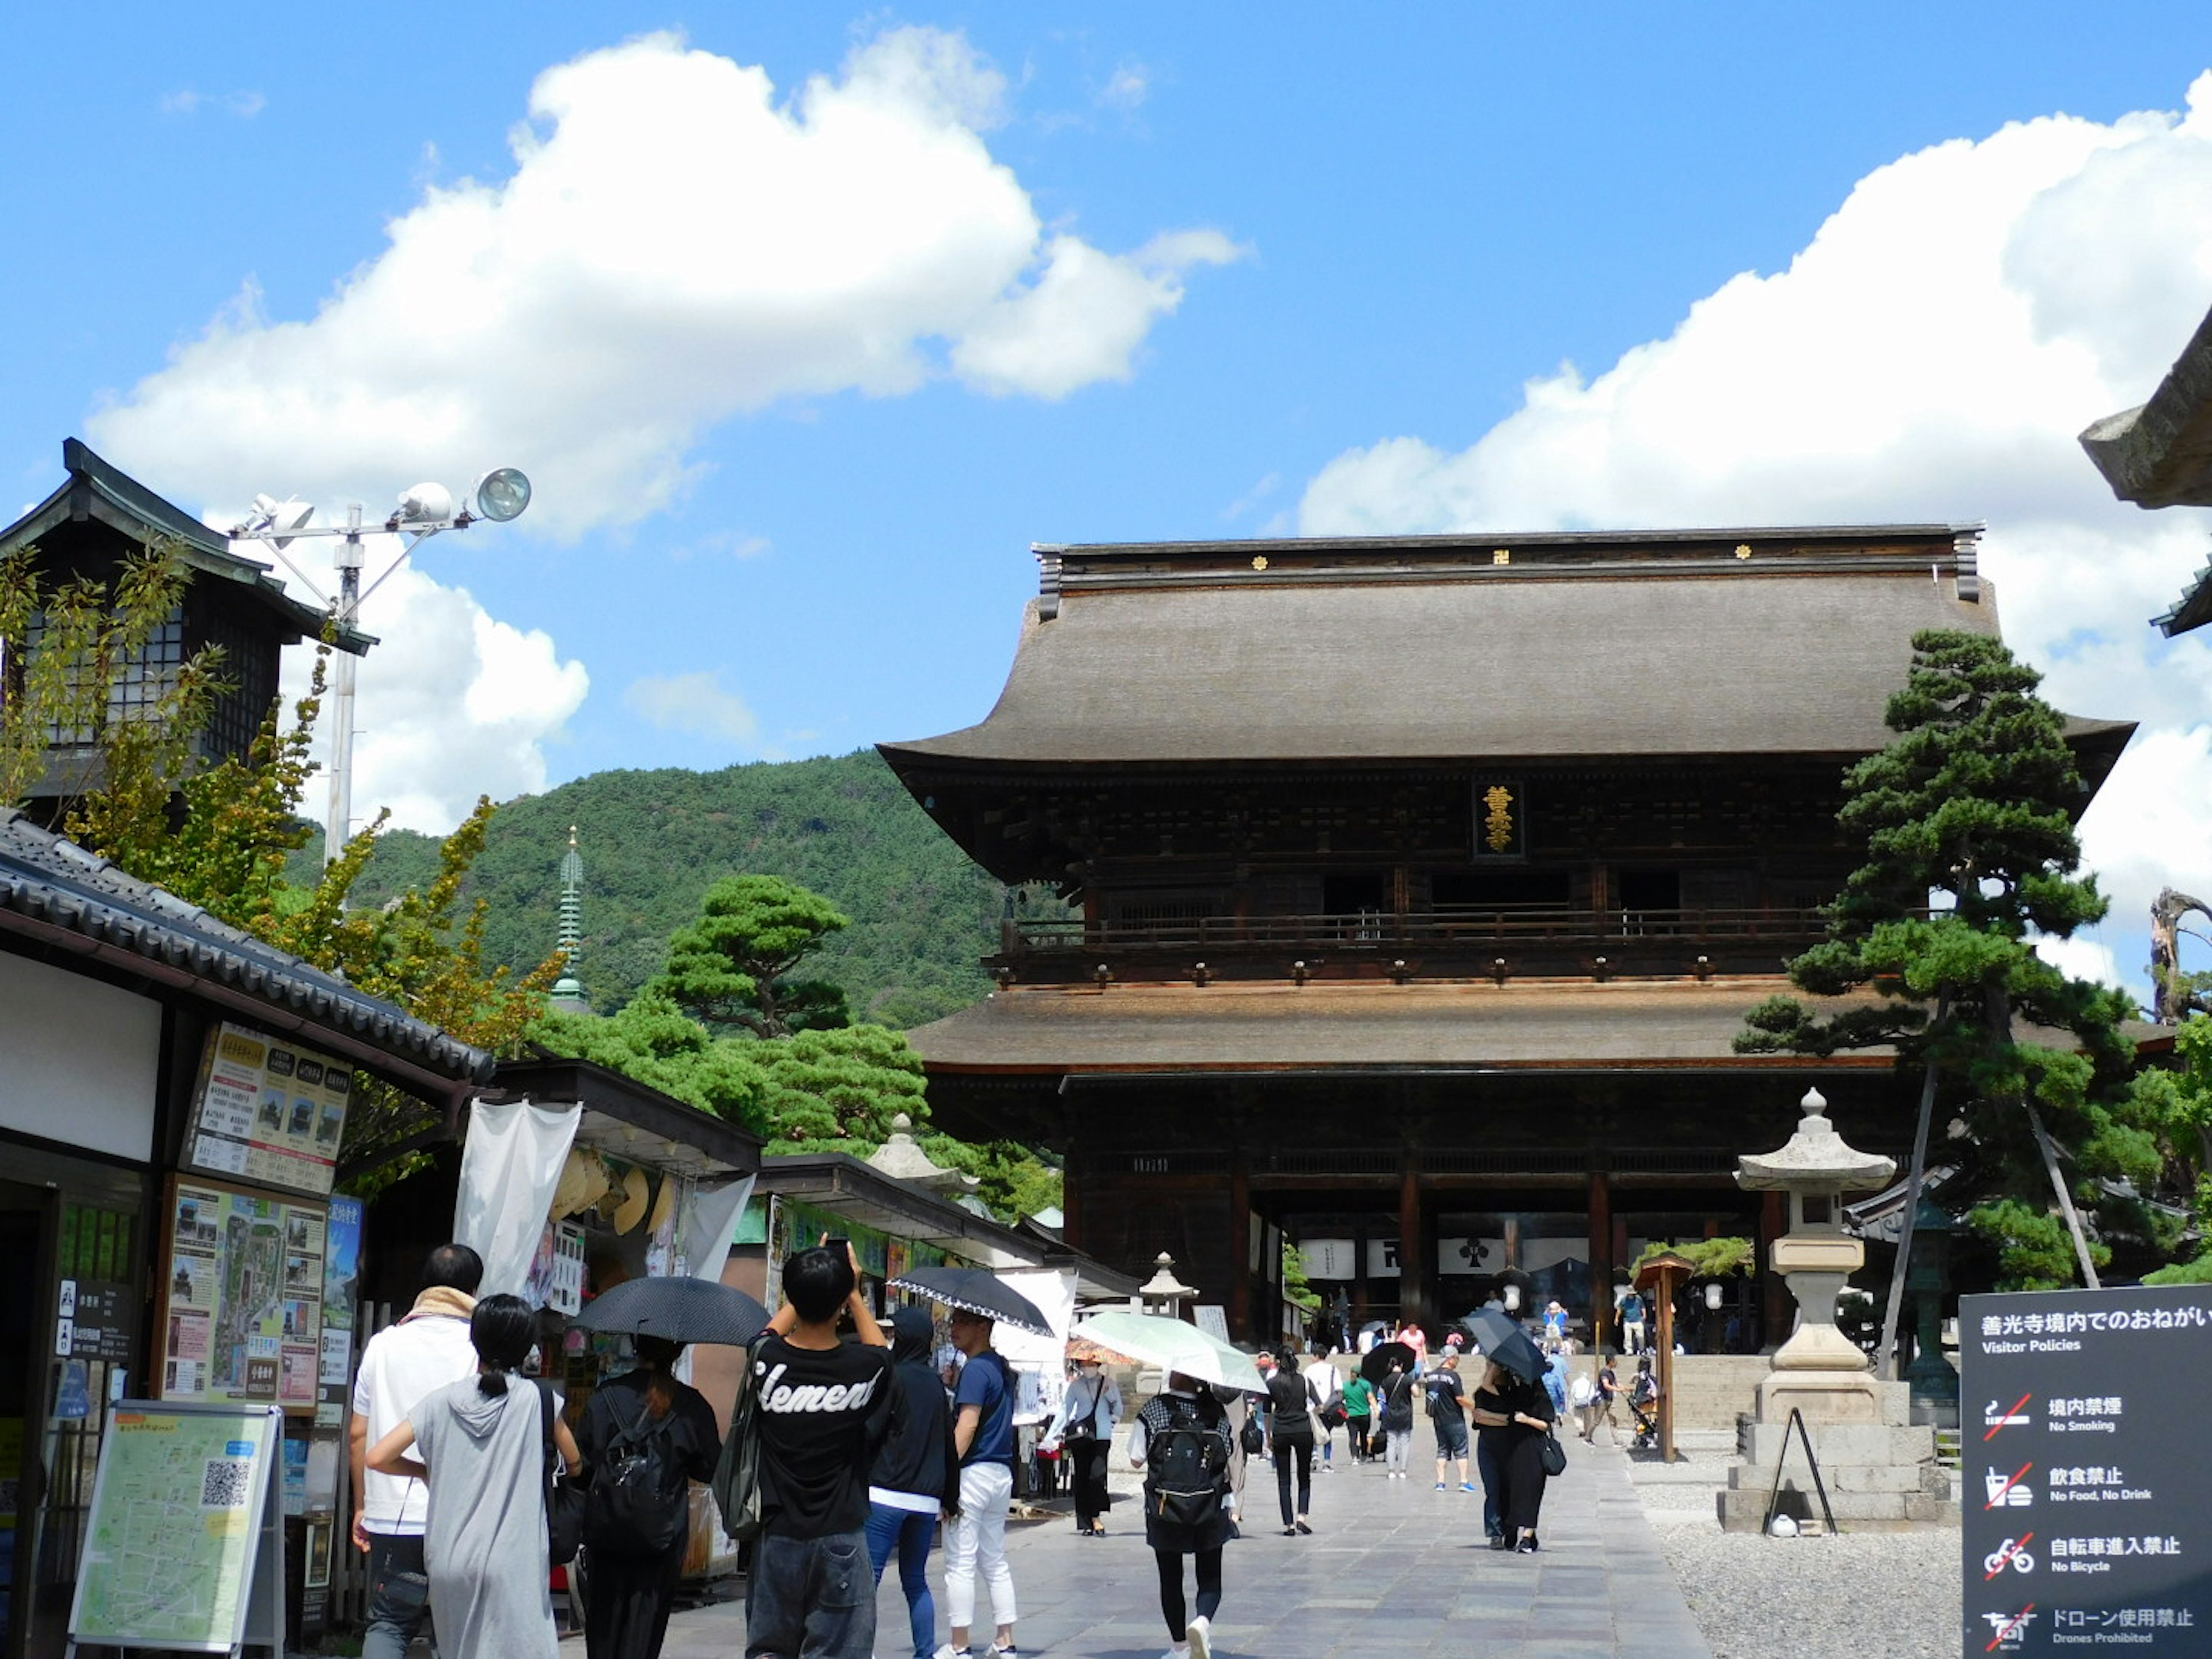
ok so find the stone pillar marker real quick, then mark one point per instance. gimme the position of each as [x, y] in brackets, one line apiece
[1819, 1370]
[1879, 1469]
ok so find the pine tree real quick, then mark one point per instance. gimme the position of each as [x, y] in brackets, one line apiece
[1967, 822]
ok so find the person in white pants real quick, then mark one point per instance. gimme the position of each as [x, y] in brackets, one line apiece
[984, 1434]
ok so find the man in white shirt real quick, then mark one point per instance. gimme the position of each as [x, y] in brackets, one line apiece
[403, 1365]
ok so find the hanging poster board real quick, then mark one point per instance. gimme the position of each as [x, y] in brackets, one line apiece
[242, 1297]
[268, 1111]
[2086, 1516]
[184, 1544]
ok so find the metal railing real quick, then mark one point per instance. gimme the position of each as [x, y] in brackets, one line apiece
[1440, 929]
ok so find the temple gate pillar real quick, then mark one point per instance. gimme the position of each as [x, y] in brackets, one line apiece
[1601, 1255]
[1413, 1279]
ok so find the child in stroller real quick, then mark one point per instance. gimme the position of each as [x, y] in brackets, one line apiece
[1643, 1405]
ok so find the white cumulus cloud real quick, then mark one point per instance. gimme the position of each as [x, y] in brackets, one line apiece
[451, 703]
[696, 703]
[1930, 356]
[674, 245]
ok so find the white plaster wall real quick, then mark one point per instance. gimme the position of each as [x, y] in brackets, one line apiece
[79, 1059]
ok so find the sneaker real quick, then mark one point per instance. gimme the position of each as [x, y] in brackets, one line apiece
[1467, 1485]
[1499, 1540]
[1201, 1637]
[1527, 1545]
[1440, 1486]
[1177, 1653]
[1009, 1651]
[948, 1651]
[1304, 1531]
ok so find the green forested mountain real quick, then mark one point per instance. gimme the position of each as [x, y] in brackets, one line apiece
[653, 842]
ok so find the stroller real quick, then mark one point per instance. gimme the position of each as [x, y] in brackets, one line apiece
[1644, 1408]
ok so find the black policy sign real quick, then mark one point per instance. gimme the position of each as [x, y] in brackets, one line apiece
[2087, 1505]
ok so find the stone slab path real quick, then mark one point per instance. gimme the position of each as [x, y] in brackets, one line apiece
[1394, 1568]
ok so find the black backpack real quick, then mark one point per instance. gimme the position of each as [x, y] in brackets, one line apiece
[1187, 1466]
[637, 1505]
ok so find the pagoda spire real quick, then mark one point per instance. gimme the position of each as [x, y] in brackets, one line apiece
[568, 990]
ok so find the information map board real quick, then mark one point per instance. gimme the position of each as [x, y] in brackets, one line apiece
[2087, 1518]
[241, 1296]
[268, 1111]
[185, 1546]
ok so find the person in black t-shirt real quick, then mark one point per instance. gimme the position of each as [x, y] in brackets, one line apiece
[824, 1409]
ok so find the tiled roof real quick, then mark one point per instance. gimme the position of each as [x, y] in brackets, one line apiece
[48, 883]
[97, 489]
[1539, 1024]
[1544, 648]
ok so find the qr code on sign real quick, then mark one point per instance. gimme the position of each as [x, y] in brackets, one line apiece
[226, 1483]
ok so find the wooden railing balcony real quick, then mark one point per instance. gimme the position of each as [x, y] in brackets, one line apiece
[1455, 944]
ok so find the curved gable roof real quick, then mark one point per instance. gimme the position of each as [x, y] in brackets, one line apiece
[1693, 643]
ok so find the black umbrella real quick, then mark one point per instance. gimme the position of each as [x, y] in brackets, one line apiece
[1375, 1364]
[1489, 1326]
[1520, 1355]
[978, 1292]
[683, 1309]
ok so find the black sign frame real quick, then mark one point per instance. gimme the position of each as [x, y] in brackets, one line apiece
[2086, 1503]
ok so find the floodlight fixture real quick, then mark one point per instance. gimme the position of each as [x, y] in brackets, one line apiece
[502, 493]
[424, 511]
[271, 518]
[426, 503]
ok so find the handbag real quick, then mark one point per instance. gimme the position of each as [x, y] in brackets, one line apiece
[1252, 1437]
[564, 1497]
[1555, 1454]
[737, 1474]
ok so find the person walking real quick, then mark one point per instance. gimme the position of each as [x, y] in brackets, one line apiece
[1447, 1396]
[1359, 1416]
[1084, 1429]
[1290, 1404]
[1608, 1391]
[1183, 1445]
[403, 1365]
[1416, 1337]
[1397, 1422]
[917, 1477]
[480, 1451]
[648, 1437]
[824, 1407]
[1513, 1415]
[975, 1540]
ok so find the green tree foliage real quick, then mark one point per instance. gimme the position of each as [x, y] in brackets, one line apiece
[226, 835]
[735, 964]
[1013, 1181]
[1714, 1258]
[1298, 1288]
[846, 1083]
[1973, 804]
[2179, 1102]
[662, 1046]
[655, 841]
[66, 651]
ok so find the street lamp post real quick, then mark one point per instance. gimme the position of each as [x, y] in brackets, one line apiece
[500, 495]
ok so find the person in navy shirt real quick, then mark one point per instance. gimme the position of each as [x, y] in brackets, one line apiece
[983, 1433]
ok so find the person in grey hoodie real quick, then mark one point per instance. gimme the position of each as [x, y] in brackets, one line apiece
[917, 1474]
[482, 1456]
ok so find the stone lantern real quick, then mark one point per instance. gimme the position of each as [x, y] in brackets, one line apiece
[1819, 1370]
[1163, 1294]
[1880, 1468]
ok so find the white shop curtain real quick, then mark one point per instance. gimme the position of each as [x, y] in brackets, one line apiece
[510, 1164]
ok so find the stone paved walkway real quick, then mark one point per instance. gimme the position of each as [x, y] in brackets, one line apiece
[1394, 1568]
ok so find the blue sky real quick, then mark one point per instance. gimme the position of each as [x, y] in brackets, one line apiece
[1096, 273]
